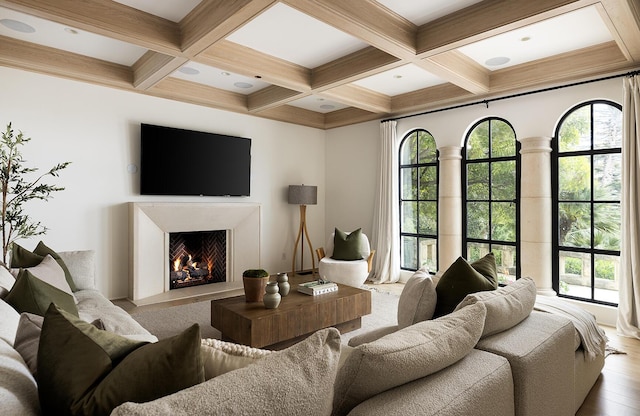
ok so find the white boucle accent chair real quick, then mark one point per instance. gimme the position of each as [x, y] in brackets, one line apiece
[346, 272]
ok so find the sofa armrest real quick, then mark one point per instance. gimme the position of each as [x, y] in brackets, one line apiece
[372, 335]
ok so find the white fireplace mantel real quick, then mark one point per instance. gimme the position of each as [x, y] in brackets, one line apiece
[150, 224]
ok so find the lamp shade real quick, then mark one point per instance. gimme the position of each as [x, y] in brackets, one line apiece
[303, 195]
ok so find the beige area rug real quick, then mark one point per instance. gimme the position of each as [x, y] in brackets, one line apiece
[171, 321]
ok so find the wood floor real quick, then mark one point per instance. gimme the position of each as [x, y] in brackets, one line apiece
[617, 391]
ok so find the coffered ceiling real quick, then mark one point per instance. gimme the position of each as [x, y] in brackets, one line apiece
[322, 63]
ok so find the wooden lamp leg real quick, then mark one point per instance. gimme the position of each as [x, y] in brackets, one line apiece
[302, 232]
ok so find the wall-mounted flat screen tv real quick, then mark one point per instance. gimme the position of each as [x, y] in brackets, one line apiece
[185, 162]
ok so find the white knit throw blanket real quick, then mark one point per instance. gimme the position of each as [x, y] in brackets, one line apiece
[592, 337]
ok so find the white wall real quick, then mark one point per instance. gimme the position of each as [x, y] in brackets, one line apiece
[97, 129]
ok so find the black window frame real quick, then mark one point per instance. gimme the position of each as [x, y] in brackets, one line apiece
[555, 159]
[465, 200]
[417, 235]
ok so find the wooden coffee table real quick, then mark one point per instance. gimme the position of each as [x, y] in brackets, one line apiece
[297, 316]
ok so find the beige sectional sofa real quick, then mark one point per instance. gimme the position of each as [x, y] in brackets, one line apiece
[492, 356]
[18, 388]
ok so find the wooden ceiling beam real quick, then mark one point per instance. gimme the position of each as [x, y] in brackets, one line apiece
[359, 97]
[153, 67]
[373, 24]
[107, 18]
[246, 61]
[623, 20]
[458, 69]
[363, 63]
[272, 96]
[487, 19]
[19, 54]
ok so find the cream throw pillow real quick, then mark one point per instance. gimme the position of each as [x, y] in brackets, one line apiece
[292, 382]
[506, 306]
[219, 357]
[417, 300]
[406, 355]
[6, 281]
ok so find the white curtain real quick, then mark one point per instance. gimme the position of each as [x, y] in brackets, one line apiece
[385, 234]
[629, 304]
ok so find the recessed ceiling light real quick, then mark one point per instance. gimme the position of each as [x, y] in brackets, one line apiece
[525, 39]
[225, 74]
[498, 60]
[243, 84]
[320, 99]
[70, 31]
[327, 106]
[17, 25]
[398, 76]
[188, 70]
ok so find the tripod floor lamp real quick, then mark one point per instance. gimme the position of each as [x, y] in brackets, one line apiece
[303, 195]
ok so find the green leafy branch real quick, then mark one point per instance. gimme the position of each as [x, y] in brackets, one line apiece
[17, 189]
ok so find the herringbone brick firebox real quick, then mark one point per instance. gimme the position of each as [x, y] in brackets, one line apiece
[197, 258]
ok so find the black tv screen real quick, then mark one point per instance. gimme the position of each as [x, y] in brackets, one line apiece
[185, 162]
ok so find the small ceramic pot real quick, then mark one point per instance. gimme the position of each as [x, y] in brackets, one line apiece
[272, 298]
[283, 283]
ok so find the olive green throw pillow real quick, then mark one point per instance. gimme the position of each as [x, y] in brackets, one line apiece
[23, 258]
[456, 282]
[486, 266]
[347, 246]
[30, 294]
[86, 371]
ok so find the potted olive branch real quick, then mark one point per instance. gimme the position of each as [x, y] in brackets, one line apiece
[18, 188]
[255, 282]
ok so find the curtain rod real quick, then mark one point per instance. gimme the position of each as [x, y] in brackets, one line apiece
[506, 97]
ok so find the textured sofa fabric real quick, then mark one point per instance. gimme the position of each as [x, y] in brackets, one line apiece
[18, 388]
[480, 384]
[541, 354]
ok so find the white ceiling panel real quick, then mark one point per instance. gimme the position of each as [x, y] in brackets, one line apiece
[70, 39]
[317, 104]
[218, 78]
[421, 12]
[173, 10]
[288, 34]
[400, 80]
[565, 33]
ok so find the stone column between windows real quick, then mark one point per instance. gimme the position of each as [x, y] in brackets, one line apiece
[535, 213]
[449, 206]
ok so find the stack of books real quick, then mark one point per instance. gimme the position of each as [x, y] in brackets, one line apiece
[317, 287]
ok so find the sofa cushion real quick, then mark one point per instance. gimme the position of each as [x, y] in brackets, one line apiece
[49, 271]
[406, 355]
[506, 306]
[18, 389]
[81, 265]
[347, 246]
[6, 281]
[456, 282]
[8, 322]
[30, 294]
[292, 382]
[219, 357]
[417, 300]
[83, 370]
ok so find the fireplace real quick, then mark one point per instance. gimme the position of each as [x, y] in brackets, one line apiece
[151, 225]
[197, 258]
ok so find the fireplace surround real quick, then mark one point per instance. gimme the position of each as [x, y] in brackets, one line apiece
[150, 227]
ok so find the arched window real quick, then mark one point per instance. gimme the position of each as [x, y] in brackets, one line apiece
[586, 172]
[419, 201]
[491, 190]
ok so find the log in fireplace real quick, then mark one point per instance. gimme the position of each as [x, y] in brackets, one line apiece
[197, 258]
